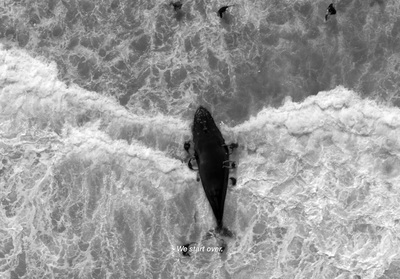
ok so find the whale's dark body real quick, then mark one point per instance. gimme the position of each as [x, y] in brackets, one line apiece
[211, 154]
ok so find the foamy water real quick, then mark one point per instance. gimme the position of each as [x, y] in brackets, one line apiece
[91, 190]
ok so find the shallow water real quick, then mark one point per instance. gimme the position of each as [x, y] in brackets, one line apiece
[97, 99]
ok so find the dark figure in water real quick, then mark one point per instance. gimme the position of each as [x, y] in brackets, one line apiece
[177, 5]
[212, 157]
[330, 11]
[190, 165]
[222, 10]
[186, 145]
[186, 252]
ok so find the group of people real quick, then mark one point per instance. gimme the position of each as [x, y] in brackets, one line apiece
[178, 6]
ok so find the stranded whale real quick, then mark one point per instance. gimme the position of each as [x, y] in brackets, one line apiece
[212, 157]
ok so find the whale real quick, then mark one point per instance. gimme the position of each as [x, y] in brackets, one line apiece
[212, 158]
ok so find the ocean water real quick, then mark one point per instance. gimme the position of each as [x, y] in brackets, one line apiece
[97, 99]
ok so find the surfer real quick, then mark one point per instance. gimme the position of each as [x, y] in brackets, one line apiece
[186, 251]
[330, 11]
[232, 146]
[186, 146]
[177, 5]
[212, 157]
[222, 10]
[190, 165]
[229, 164]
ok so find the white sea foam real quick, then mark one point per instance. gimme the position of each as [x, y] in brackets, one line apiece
[331, 164]
[317, 185]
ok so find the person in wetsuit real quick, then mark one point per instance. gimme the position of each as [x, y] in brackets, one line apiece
[222, 10]
[177, 5]
[330, 11]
